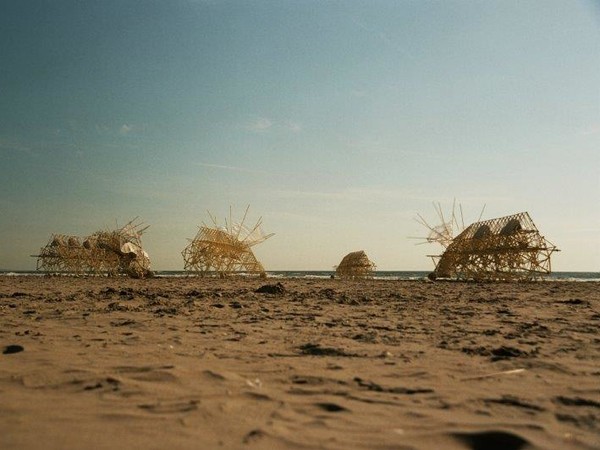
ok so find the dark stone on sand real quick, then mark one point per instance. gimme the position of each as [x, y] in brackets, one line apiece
[506, 352]
[194, 293]
[116, 306]
[329, 293]
[575, 301]
[371, 386]
[18, 294]
[126, 293]
[331, 407]
[276, 289]
[481, 351]
[308, 379]
[254, 435]
[170, 407]
[161, 311]
[496, 354]
[492, 440]
[317, 350]
[10, 349]
[123, 323]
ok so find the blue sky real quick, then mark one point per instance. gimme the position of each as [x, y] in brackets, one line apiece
[337, 121]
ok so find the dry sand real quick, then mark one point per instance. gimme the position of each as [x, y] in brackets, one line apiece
[206, 363]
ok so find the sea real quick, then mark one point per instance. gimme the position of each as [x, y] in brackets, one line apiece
[323, 274]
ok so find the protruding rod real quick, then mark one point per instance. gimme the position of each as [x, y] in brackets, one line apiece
[481, 214]
[213, 218]
[242, 222]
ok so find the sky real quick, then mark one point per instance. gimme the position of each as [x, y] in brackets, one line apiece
[336, 121]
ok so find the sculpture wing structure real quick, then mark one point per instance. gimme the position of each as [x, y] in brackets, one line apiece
[224, 250]
[506, 248]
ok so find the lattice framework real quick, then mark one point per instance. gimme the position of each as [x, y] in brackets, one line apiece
[113, 252]
[507, 248]
[355, 265]
[225, 250]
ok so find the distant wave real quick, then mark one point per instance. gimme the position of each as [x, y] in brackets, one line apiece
[324, 274]
[392, 275]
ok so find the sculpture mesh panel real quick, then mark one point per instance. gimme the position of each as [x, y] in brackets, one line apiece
[505, 248]
[355, 265]
[111, 252]
[225, 250]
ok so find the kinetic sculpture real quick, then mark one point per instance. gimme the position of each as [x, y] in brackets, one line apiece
[507, 248]
[225, 250]
[111, 252]
[355, 265]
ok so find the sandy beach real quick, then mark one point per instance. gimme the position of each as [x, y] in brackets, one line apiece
[329, 364]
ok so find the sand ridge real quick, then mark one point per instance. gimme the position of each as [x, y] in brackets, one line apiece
[378, 364]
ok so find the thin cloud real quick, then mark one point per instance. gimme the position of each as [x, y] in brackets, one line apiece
[294, 127]
[125, 129]
[230, 168]
[128, 128]
[260, 125]
[264, 124]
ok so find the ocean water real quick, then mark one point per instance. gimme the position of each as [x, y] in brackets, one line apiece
[323, 274]
[422, 275]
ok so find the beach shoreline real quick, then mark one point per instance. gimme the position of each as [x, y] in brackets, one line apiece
[188, 362]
